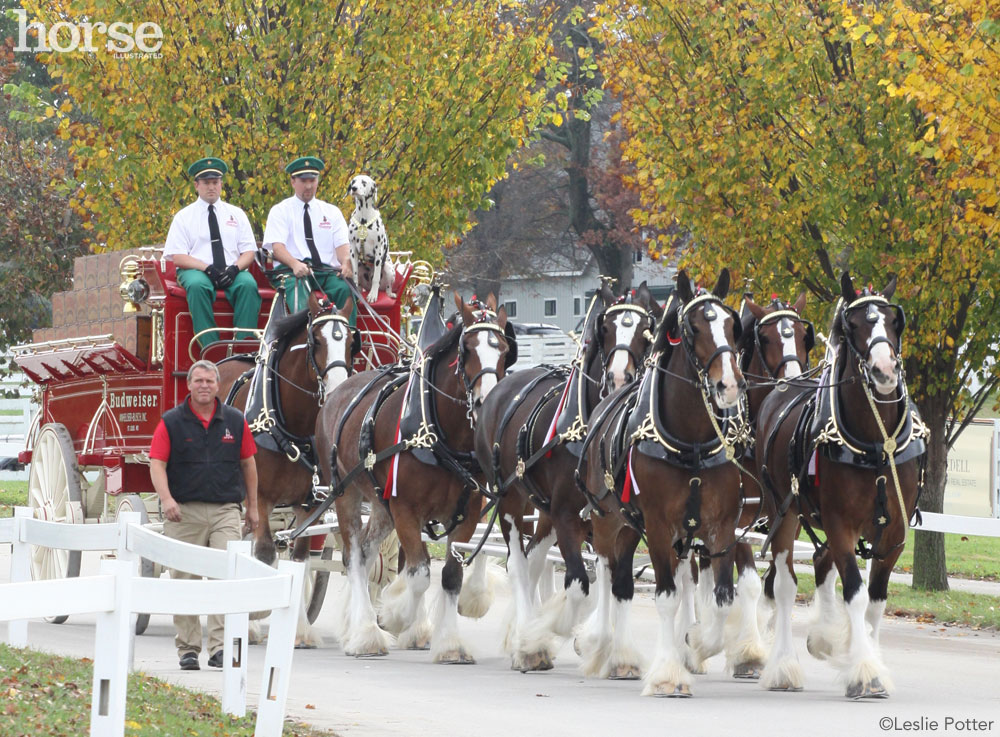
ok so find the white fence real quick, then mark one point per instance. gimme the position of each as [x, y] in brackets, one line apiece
[244, 585]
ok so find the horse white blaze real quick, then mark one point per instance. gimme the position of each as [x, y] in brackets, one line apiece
[793, 368]
[620, 358]
[881, 360]
[729, 395]
[489, 357]
[336, 349]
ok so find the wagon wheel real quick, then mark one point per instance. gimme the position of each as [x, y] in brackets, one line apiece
[54, 495]
[134, 503]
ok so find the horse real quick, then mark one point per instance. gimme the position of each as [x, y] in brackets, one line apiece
[402, 439]
[849, 454]
[658, 463]
[773, 351]
[304, 356]
[527, 440]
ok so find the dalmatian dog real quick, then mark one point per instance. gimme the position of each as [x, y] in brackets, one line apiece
[367, 237]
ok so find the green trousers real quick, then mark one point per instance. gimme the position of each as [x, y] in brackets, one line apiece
[242, 295]
[333, 286]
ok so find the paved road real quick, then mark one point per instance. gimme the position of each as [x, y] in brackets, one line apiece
[940, 673]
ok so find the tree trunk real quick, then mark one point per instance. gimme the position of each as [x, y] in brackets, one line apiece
[930, 571]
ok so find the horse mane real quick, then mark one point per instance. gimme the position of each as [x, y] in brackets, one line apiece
[446, 342]
[290, 324]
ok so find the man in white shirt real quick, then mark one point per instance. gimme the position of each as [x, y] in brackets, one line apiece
[211, 244]
[309, 238]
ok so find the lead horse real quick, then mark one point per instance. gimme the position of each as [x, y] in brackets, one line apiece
[659, 465]
[402, 440]
[528, 441]
[844, 456]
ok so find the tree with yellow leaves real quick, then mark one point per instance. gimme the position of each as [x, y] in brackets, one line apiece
[800, 138]
[427, 98]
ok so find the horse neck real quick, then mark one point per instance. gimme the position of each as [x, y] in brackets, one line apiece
[451, 403]
[856, 413]
[757, 393]
[682, 409]
[299, 409]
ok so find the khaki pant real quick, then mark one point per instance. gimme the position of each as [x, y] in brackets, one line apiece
[209, 525]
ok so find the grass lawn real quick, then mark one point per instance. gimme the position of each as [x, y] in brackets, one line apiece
[943, 607]
[50, 695]
[12, 494]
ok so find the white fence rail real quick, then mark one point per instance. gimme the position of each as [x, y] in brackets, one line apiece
[118, 593]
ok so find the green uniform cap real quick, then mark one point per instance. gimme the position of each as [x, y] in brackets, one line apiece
[306, 166]
[209, 168]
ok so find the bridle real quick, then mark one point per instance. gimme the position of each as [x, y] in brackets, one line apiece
[785, 330]
[872, 304]
[711, 312]
[341, 326]
[632, 312]
[485, 323]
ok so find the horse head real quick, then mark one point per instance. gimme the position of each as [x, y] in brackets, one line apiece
[482, 348]
[872, 327]
[780, 337]
[709, 331]
[332, 342]
[624, 334]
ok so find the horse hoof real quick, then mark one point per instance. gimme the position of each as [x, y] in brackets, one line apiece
[381, 652]
[786, 688]
[419, 645]
[871, 690]
[576, 646]
[818, 647]
[305, 645]
[535, 661]
[747, 671]
[456, 657]
[672, 691]
[624, 673]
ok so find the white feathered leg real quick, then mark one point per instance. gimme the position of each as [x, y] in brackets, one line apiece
[783, 672]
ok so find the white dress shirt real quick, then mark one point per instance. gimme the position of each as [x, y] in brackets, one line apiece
[189, 232]
[284, 225]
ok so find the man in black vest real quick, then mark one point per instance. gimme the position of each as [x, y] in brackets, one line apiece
[202, 467]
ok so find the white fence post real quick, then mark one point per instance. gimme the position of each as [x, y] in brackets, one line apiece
[278, 657]
[234, 649]
[124, 553]
[111, 655]
[20, 564]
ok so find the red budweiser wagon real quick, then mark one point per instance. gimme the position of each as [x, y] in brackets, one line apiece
[105, 376]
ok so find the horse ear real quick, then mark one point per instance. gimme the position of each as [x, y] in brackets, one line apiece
[800, 303]
[463, 309]
[643, 296]
[847, 288]
[722, 286]
[755, 309]
[890, 288]
[491, 302]
[684, 289]
[501, 314]
[607, 296]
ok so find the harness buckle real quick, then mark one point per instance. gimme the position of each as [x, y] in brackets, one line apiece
[370, 460]
[519, 470]
[609, 481]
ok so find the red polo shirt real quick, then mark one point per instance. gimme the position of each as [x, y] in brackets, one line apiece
[160, 447]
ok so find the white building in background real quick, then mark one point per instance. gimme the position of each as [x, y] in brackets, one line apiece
[559, 290]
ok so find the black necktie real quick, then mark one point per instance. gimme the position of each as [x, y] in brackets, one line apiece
[308, 227]
[218, 254]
